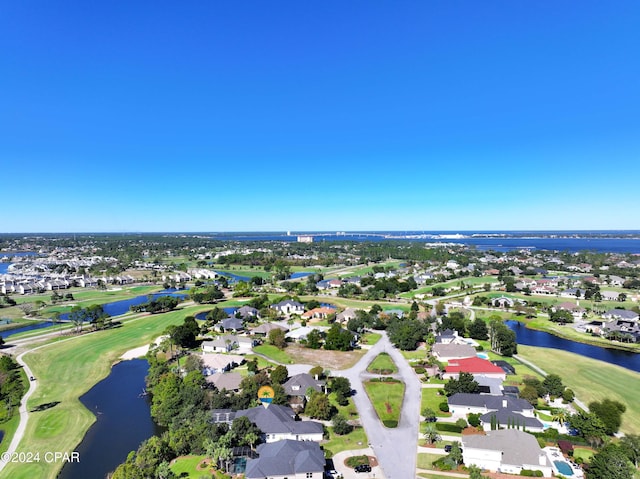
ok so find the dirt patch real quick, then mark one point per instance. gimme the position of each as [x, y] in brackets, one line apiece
[469, 431]
[324, 358]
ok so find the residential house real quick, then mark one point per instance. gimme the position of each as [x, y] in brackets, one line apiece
[575, 309]
[346, 315]
[621, 314]
[219, 363]
[221, 344]
[228, 381]
[288, 307]
[301, 333]
[287, 459]
[508, 450]
[318, 313]
[297, 386]
[232, 324]
[505, 411]
[447, 352]
[474, 366]
[447, 336]
[609, 295]
[276, 423]
[247, 312]
[265, 328]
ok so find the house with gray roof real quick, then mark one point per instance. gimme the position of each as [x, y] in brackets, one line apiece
[276, 423]
[247, 312]
[228, 381]
[621, 314]
[346, 315]
[445, 352]
[297, 386]
[507, 450]
[232, 324]
[287, 459]
[265, 328]
[461, 404]
[288, 307]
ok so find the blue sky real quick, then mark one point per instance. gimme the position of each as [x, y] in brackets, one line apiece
[360, 115]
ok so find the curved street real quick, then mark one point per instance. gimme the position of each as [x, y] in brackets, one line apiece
[394, 448]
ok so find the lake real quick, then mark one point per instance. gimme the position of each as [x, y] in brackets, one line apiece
[28, 327]
[123, 422]
[531, 337]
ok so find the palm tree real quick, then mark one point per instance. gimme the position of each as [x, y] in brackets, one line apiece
[431, 433]
[560, 416]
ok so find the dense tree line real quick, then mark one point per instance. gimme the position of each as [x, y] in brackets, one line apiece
[12, 387]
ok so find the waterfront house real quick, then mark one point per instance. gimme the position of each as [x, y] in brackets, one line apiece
[232, 324]
[474, 366]
[265, 328]
[624, 314]
[287, 459]
[276, 423]
[228, 381]
[508, 450]
[219, 363]
[247, 312]
[447, 352]
[288, 307]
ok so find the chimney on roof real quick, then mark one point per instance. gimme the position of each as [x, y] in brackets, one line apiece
[504, 403]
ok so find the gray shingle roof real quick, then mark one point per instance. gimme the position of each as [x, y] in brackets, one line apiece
[279, 419]
[286, 457]
[505, 416]
[297, 385]
[492, 403]
[518, 447]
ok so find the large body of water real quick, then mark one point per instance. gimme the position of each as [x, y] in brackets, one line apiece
[123, 422]
[531, 337]
[601, 241]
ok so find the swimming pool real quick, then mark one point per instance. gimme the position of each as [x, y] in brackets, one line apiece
[563, 468]
[482, 355]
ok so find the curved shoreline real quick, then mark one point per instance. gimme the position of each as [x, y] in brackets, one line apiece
[600, 344]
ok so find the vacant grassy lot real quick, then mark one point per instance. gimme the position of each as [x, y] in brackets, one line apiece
[592, 380]
[386, 397]
[425, 460]
[66, 370]
[431, 400]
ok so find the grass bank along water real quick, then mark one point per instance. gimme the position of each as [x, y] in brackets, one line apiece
[65, 371]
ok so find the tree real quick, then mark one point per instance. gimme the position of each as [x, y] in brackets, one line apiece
[590, 427]
[610, 463]
[338, 339]
[279, 374]
[277, 339]
[319, 407]
[630, 445]
[478, 329]
[342, 389]
[406, 334]
[610, 413]
[464, 384]
[431, 434]
[340, 425]
[553, 385]
[314, 339]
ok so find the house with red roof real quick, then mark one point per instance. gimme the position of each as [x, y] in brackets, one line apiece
[475, 366]
[319, 313]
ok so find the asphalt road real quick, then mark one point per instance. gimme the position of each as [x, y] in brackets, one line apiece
[394, 448]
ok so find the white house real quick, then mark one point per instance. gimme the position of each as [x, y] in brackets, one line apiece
[507, 450]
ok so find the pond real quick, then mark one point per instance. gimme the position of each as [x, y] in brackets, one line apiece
[123, 422]
[29, 327]
[531, 337]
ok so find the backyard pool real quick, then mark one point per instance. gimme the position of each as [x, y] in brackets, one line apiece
[563, 468]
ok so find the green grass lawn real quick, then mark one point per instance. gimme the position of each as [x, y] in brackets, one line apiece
[584, 452]
[273, 353]
[68, 368]
[371, 338]
[425, 460]
[386, 398]
[9, 429]
[356, 439]
[382, 364]
[431, 400]
[187, 467]
[591, 380]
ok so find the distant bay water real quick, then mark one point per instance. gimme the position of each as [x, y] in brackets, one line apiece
[572, 241]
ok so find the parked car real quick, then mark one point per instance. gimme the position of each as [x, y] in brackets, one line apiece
[32, 378]
[362, 468]
[447, 448]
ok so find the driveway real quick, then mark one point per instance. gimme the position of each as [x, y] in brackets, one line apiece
[394, 448]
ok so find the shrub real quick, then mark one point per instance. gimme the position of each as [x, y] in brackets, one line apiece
[444, 406]
[474, 420]
[354, 461]
[419, 370]
[461, 423]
